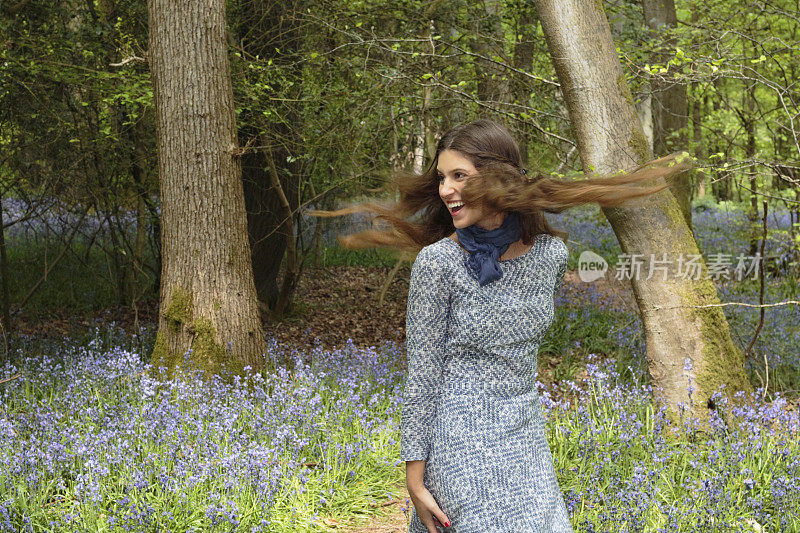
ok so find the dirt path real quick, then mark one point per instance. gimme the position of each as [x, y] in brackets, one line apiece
[388, 517]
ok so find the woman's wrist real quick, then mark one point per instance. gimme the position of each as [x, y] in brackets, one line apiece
[415, 471]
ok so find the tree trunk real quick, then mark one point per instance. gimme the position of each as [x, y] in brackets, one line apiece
[752, 214]
[644, 110]
[425, 141]
[263, 27]
[609, 138]
[670, 107]
[493, 86]
[121, 266]
[291, 273]
[699, 147]
[5, 299]
[697, 137]
[138, 247]
[155, 243]
[748, 119]
[208, 299]
[265, 226]
[523, 60]
[139, 175]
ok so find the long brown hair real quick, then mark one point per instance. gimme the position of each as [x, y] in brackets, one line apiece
[502, 185]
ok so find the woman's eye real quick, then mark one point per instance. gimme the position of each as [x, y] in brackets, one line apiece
[459, 175]
[441, 178]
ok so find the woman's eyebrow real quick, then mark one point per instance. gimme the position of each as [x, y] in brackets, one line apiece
[454, 170]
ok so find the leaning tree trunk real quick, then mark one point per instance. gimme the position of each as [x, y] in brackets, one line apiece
[610, 138]
[208, 298]
[670, 107]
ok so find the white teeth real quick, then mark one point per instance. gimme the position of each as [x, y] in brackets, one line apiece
[454, 204]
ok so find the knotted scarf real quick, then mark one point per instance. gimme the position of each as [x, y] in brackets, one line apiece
[486, 246]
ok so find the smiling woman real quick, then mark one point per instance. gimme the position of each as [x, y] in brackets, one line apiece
[472, 428]
[453, 169]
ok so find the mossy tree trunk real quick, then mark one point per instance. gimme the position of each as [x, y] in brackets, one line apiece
[208, 299]
[610, 138]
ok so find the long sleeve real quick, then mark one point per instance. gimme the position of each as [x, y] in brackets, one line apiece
[562, 257]
[426, 330]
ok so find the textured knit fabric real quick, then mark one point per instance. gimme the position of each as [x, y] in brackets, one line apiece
[471, 409]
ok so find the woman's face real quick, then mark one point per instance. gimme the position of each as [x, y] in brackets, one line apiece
[454, 169]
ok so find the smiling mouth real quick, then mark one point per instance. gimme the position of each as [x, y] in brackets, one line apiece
[454, 207]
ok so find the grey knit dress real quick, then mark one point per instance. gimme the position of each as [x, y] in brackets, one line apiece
[471, 409]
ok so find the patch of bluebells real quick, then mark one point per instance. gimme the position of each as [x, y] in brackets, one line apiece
[103, 444]
[779, 337]
[623, 466]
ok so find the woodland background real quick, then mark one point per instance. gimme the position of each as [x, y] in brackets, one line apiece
[337, 94]
[329, 99]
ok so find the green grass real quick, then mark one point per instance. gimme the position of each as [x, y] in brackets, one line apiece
[77, 284]
[339, 256]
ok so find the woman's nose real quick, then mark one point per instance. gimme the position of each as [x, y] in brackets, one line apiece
[446, 188]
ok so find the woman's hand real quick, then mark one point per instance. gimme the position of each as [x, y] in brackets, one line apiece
[427, 509]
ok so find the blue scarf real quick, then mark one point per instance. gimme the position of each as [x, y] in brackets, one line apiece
[486, 246]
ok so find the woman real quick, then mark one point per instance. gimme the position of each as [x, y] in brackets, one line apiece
[480, 300]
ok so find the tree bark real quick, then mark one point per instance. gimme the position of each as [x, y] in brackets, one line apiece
[263, 27]
[266, 229]
[5, 300]
[609, 138]
[523, 60]
[699, 147]
[291, 273]
[208, 299]
[697, 137]
[493, 84]
[748, 119]
[670, 107]
[426, 144]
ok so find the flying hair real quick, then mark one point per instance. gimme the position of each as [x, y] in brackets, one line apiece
[420, 217]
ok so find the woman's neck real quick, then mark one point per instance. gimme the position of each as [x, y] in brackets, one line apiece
[493, 222]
